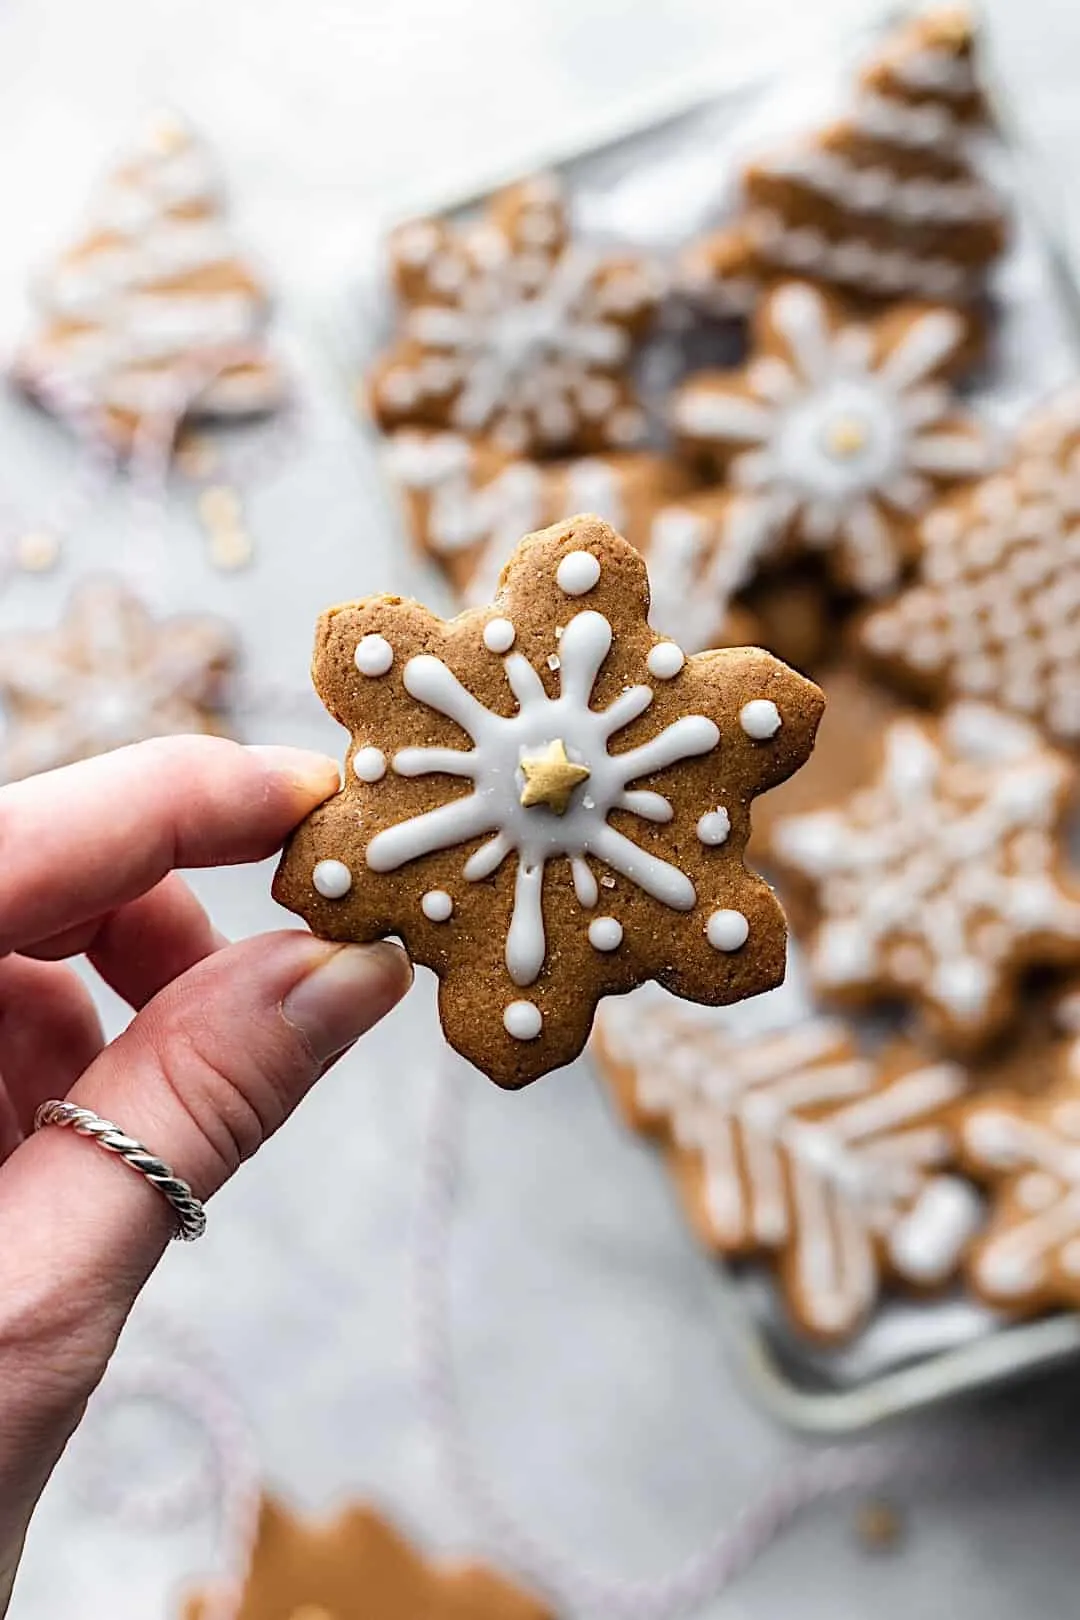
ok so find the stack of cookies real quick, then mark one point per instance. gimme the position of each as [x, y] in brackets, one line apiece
[836, 498]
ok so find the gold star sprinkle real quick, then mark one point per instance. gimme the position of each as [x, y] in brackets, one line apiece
[550, 778]
[37, 551]
[311, 1611]
[846, 437]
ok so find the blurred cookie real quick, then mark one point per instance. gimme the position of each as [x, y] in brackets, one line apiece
[839, 435]
[793, 1146]
[942, 881]
[887, 202]
[110, 674]
[153, 313]
[995, 611]
[358, 1567]
[548, 802]
[511, 329]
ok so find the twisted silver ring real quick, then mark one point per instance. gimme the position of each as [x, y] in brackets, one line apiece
[189, 1211]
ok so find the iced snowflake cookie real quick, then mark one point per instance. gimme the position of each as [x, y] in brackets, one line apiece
[358, 1564]
[547, 801]
[154, 306]
[109, 674]
[1027, 1149]
[839, 435]
[942, 880]
[888, 201]
[794, 1147]
[511, 329]
[995, 610]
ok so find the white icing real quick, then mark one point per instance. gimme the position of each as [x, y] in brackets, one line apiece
[665, 660]
[942, 875]
[499, 635]
[727, 930]
[881, 192]
[437, 905]
[605, 933]
[523, 1020]
[536, 834]
[760, 719]
[374, 655]
[714, 827]
[369, 764]
[696, 562]
[927, 125]
[332, 879]
[833, 439]
[935, 68]
[883, 272]
[577, 573]
[808, 1151]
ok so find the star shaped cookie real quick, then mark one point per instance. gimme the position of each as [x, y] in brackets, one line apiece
[530, 912]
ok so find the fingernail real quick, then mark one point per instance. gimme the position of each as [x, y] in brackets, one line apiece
[350, 988]
[317, 776]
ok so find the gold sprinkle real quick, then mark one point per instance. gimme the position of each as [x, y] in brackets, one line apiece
[550, 778]
[219, 507]
[846, 436]
[230, 547]
[38, 551]
[311, 1611]
[879, 1525]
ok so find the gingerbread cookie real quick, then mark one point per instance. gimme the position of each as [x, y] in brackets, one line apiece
[1028, 1151]
[548, 802]
[358, 1567]
[942, 881]
[793, 1146]
[995, 611]
[153, 313]
[884, 203]
[110, 674]
[838, 435]
[512, 330]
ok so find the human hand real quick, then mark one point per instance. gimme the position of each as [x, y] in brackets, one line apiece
[225, 1042]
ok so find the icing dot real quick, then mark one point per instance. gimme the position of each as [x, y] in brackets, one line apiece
[760, 719]
[727, 930]
[522, 1020]
[577, 573]
[714, 826]
[374, 655]
[499, 635]
[605, 933]
[437, 905]
[332, 879]
[665, 660]
[369, 764]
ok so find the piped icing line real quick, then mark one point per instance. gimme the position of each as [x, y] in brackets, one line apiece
[889, 271]
[494, 810]
[876, 190]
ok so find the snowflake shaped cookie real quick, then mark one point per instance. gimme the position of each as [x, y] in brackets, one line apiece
[302, 1571]
[513, 331]
[1028, 1150]
[547, 801]
[995, 611]
[108, 675]
[839, 435]
[153, 312]
[942, 880]
[793, 1146]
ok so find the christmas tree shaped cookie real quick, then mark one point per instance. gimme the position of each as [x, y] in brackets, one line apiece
[358, 1567]
[795, 1147]
[547, 801]
[885, 203]
[110, 674]
[153, 314]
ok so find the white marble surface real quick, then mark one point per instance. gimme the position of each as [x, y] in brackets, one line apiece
[593, 1379]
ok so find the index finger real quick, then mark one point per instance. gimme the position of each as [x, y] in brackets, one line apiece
[80, 841]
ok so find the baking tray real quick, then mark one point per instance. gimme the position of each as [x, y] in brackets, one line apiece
[659, 179]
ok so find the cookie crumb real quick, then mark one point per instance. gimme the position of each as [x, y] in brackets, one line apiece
[879, 1525]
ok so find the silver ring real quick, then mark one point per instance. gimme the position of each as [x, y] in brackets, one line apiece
[189, 1211]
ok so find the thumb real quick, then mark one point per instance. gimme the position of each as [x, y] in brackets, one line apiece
[203, 1075]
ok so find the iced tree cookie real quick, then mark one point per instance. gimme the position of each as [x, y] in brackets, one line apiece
[547, 801]
[513, 330]
[887, 201]
[110, 674]
[154, 307]
[794, 1147]
[838, 434]
[359, 1567]
[943, 879]
[995, 610]
[1027, 1150]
